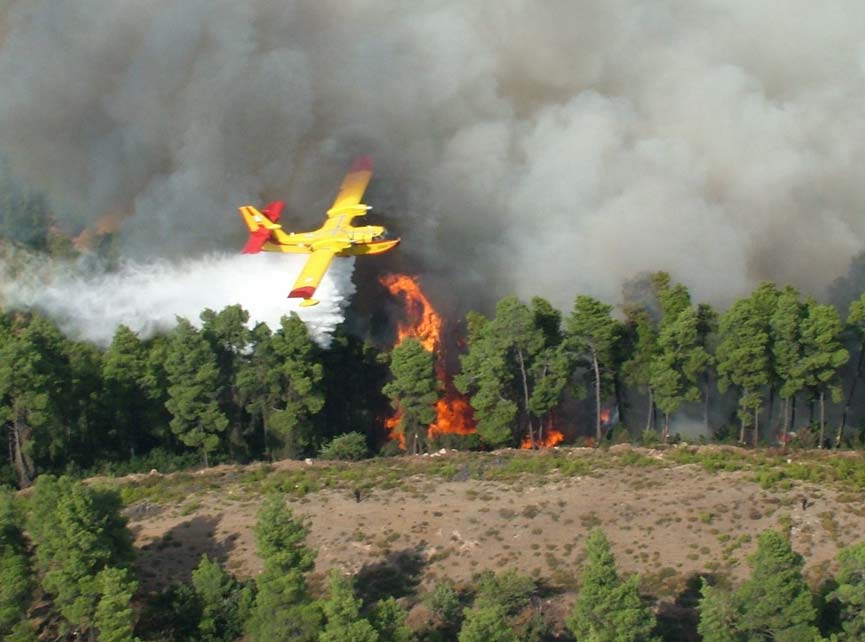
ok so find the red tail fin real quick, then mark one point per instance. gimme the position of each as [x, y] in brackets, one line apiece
[274, 211]
[260, 225]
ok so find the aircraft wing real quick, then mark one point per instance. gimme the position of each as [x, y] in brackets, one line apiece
[312, 273]
[352, 188]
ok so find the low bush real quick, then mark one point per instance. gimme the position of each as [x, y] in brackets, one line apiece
[348, 447]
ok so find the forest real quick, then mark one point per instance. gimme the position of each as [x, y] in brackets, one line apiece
[775, 368]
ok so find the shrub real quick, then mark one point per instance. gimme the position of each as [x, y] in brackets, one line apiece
[444, 602]
[649, 438]
[510, 590]
[348, 447]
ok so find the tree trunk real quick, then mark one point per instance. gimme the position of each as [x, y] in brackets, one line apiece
[852, 391]
[666, 427]
[526, 397]
[597, 398]
[620, 405]
[23, 466]
[784, 428]
[771, 408]
[651, 407]
[793, 412]
[206, 463]
[756, 425]
[706, 394]
[264, 434]
[838, 437]
[822, 415]
[742, 424]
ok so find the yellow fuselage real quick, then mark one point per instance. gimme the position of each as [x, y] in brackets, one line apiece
[368, 239]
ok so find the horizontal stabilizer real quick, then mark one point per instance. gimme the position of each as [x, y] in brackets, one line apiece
[256, 240]
[260, 225]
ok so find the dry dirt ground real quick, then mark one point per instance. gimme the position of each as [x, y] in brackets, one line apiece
[667, 522]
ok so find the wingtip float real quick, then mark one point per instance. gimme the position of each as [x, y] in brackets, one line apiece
[336, 237]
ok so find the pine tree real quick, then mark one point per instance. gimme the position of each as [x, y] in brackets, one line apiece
[255, 392]
[193, 392]
[823, 354]
[786, 341]
[16, 582]
[856, 327]
[388, 619]
[413, 391]
[637, 369]
[33, 375]
[229, 339]
[487, 377]
[511, 370]
[124, 371]
[676, 371]
[718, 615]
[552, 367]
[225, 603]
[608, 609]
[78, 532]
[283, 610]
[113, 618]
[343, 621]
[81, 405]
[776, 600]
[743, 354]
[522, 341]
[486, 623]
[592, 334]
[292, 384]
[850, 593]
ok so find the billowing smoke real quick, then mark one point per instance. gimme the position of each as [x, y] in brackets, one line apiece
[89, 303]
[538, 148]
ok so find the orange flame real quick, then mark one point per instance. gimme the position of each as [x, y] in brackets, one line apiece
[550, 438]
[453, 412]
[392, 423]
[605, 416]
[107, 224]
[453, 416]
[424, 323]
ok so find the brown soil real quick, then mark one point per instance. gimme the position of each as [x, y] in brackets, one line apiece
[667, 523]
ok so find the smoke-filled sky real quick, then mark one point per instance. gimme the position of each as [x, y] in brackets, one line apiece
[548, 148]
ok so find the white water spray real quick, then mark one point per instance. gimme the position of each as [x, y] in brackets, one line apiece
[148, 297]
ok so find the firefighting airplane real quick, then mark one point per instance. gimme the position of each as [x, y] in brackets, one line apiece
[337, 237]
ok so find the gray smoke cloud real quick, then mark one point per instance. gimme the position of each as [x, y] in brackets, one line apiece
[548, 148]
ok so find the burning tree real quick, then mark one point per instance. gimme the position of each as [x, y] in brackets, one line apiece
[453, 414]
[413, 392]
